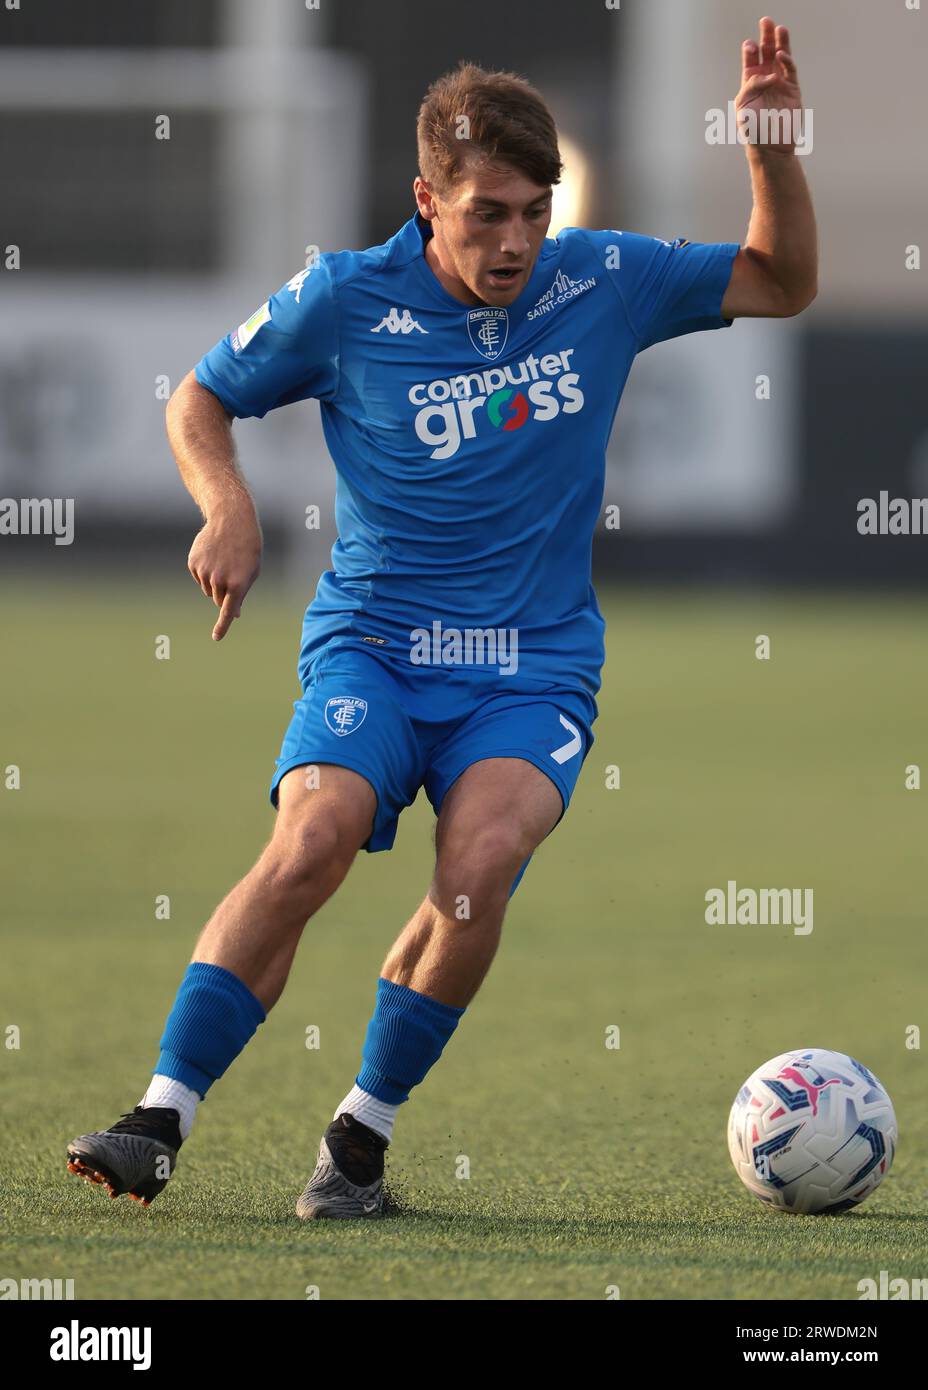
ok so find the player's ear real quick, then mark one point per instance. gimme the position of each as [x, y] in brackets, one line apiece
[424, 199]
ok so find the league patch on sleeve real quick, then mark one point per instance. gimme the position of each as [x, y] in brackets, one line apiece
[247, 330]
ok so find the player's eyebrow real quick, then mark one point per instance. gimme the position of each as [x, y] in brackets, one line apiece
[497, 203]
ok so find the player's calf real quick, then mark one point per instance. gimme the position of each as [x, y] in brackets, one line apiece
[493, 818]
[239, 969]
[319, 829]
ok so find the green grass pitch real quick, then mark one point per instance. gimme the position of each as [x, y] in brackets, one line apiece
[589, 1167]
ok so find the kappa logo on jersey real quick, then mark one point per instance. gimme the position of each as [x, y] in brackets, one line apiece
[448, 410]
[344, 714]
[395, 322]
[295, 286]
[488, 330]
[563, 290]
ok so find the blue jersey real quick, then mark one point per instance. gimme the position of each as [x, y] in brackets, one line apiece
[469, 443]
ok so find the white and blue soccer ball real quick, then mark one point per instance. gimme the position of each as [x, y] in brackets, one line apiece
[812, 1131]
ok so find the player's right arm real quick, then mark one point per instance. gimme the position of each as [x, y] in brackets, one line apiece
[226, 556]
[287, 351]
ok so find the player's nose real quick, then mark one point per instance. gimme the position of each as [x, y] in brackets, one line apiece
[514, 242]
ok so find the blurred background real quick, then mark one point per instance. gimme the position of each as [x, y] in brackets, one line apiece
[291, 127]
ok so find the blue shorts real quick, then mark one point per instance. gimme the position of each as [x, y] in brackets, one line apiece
[403, 727]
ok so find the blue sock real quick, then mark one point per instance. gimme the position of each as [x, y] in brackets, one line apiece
[404, 1040]
[213, 1017]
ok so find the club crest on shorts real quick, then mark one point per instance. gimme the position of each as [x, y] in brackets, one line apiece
[344, 714]
[488, 329]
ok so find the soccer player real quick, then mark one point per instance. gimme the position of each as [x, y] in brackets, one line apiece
[469, 372]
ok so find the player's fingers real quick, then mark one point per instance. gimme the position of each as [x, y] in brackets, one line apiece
[212, 588]
[767, 40]
[226, 614]
[236, 592]
[781, 38]
[195, 573]
[749, 57]
[787, 64]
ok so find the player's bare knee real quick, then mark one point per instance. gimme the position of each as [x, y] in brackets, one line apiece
[497, 844]
[307, 859]
[480, 866]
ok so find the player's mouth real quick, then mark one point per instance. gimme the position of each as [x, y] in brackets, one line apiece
[504, 277]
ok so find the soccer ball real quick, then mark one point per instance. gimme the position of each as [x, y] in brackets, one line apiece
[812, 1131]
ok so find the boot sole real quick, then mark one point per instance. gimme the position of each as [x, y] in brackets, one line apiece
[99, 1175]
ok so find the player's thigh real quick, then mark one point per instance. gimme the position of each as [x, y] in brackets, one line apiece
[324, 815]
[497, 813]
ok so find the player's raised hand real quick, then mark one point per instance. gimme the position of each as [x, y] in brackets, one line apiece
[769, 83]
[225, 560]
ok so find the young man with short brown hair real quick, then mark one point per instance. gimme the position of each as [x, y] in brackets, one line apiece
[469, 371]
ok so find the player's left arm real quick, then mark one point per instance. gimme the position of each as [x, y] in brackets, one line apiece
[774, 274]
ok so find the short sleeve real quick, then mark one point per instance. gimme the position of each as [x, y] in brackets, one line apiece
[668, 288]
[287, 351]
